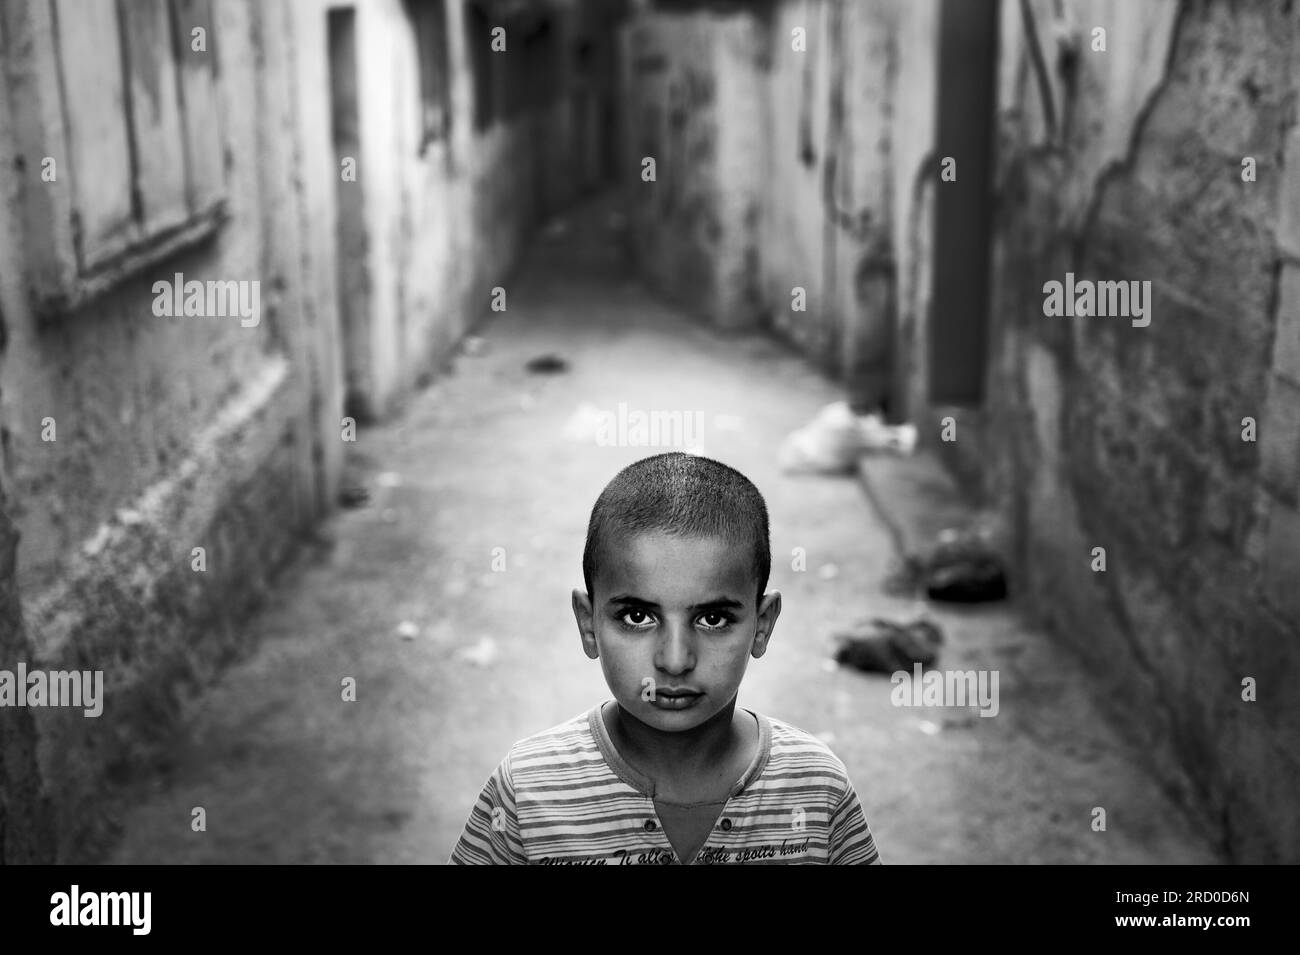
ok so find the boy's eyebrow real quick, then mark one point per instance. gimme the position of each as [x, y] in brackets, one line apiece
[720, 603]
[716, 603]
[633, 600]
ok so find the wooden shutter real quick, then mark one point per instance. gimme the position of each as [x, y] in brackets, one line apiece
[94, 105]
[155, 115]
[202, 138]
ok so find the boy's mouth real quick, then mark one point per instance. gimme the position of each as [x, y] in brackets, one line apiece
[675, 698]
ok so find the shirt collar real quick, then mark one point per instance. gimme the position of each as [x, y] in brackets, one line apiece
[644, 784]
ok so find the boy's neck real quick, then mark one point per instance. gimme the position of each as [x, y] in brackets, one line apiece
[698, 764]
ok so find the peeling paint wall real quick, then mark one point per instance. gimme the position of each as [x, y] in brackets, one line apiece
[672, 85]
[171, 433]
[911, 118]
[1102, 434]
[444, 223]
[786, 161]
[831, 185]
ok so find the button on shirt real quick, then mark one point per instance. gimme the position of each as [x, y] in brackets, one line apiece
[566, 797]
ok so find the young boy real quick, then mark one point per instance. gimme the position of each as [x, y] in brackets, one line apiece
[671, 771]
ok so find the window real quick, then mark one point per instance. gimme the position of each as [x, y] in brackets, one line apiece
[127, 109]
[429, 18]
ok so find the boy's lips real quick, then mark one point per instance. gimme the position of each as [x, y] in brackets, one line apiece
[675, 698]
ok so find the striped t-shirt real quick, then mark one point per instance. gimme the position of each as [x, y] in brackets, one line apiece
[566, 797]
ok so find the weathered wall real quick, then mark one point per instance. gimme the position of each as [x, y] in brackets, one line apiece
[24, 806]
[445, 223]
[780, 168]
[172, 433]
[1102, 434]
[913, 175]
[852, 127]
[670, 84]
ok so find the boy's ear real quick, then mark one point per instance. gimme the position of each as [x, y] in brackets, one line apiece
[586, 625]
[769, 608]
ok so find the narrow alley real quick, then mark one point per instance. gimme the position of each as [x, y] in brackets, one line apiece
[487, 458]
[324, 323]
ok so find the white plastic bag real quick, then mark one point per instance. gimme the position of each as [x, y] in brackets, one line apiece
[834, 440]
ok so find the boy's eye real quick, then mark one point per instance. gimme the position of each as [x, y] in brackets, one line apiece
[715, 620]
[635, 618]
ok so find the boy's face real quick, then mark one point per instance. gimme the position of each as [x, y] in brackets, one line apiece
[678, 616]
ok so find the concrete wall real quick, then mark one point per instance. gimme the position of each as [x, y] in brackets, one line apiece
[670, 85]
[444, 224]
[171, 433]
[1101, 434]
[780, 168]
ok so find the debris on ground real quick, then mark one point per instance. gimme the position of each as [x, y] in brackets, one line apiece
[829, 444]
[962, 566]
[546, 365]
[407, 630]
[879, 436]
[883, 646]
[354, 495]
[473, 345]
[968, 580]
[834, 440]
[482, 654]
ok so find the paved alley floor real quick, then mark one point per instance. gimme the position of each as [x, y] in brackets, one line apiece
[455, 660]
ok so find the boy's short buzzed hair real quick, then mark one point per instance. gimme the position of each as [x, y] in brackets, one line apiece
[681, 494]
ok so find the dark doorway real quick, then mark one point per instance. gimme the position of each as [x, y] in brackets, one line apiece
[958, 326]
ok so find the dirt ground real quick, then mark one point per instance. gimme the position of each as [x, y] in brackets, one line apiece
[454, 660]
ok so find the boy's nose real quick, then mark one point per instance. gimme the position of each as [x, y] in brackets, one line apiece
[675, 652]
